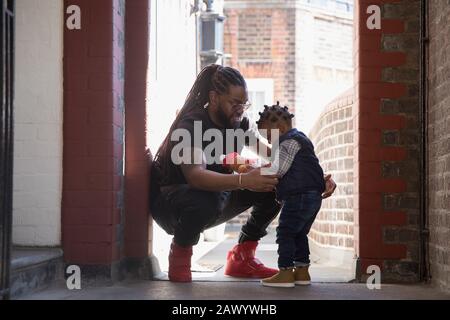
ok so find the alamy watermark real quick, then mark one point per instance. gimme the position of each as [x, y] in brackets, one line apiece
[73, 281]
[374, 280]
[374, 20]
[190, 149]
[73, 22]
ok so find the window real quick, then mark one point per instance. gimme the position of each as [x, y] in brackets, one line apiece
[338, 5]
[260, 93]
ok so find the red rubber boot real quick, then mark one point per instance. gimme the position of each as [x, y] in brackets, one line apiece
[180, 263]
[241, 262]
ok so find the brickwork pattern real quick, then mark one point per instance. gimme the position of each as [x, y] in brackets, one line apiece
[439, 142]
[386, 136]
[332, 136]
[262, 45]
[93, 204]
[38, 123]
[138, 220]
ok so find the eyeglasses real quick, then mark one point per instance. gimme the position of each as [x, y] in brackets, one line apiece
[244, 106]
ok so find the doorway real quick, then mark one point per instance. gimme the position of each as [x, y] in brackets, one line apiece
[301, 56]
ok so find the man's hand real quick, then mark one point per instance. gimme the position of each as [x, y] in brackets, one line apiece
[330, 186]
[235, 162]
[254, 181]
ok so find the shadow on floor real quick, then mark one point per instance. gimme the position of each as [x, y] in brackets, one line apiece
[210, 266]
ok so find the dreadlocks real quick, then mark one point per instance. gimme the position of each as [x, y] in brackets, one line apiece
[212, 78]
[275, 114]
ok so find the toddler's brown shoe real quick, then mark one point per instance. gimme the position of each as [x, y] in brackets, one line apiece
[302, 277]
[283, 279]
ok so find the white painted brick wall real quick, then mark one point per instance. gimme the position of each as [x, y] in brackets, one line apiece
[38, 123]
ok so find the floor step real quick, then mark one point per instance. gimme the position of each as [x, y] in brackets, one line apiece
[34, 269]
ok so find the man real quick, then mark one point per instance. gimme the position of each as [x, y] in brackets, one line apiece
[187, 198]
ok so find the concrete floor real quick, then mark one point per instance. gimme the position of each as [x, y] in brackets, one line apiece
[199, 290]
[330, 282]
[209, 260]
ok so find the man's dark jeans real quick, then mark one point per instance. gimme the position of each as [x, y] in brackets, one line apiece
[185, 212]
[296, 218]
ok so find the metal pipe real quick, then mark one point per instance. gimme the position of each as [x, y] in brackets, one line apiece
[209, 5]
[7, 10]
[197, 37]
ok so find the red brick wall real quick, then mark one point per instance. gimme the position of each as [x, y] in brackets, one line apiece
[386, 139]
[332, 136]
[439, 142]
[138, 220]
[262, 45]
[92, 205]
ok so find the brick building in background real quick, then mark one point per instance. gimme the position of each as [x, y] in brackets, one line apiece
[295, 52]
[261, 44]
